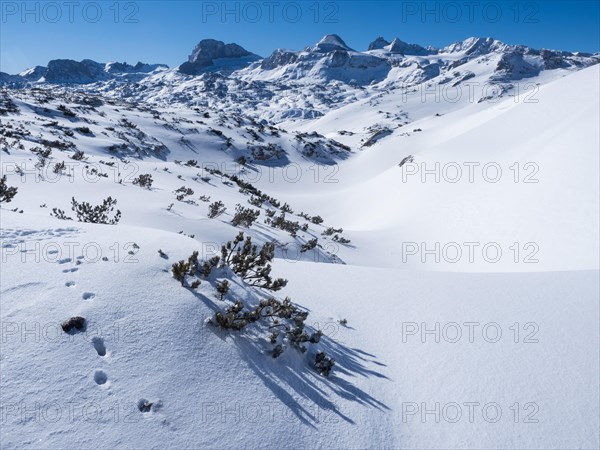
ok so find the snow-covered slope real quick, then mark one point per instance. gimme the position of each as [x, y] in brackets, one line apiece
[532, 386]
[366, 189]
[521, 170]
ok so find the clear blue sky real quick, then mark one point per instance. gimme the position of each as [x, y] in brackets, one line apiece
[32, 33]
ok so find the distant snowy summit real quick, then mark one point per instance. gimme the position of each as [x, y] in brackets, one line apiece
[330, 58]
[398, 46]
[210, 55]
[330, 43]
[327, 60]
[86, 71]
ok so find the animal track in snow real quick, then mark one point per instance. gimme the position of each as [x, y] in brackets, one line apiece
[64, 260]
[18, 236]
[70, 284]
[146, 406]
[88, 295]
[73, 269]
[100, 377]
[99, 346]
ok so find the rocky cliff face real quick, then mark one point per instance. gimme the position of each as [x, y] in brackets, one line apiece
[68, 71]
[209, 52]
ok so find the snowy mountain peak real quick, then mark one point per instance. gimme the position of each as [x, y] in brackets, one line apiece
[477, 46]
[211, 48]
[140, 67]
[399, 46]
[86, 71]
[387, 61]
[329, 43]
[207, 51]
[378, 44]
[33, 73]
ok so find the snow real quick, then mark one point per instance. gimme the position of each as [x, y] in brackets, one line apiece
[159, 348]
[547, 200]
[551, 363]
[509, 345]
[331, 42]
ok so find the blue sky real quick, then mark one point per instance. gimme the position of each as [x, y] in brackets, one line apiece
[32, 33]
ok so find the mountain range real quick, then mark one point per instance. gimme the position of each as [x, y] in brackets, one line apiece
[329, 59]
[310, 82]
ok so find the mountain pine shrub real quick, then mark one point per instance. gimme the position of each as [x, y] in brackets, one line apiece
[7, 193]
[244, 216]
[144, 181]
[222, 288]
[96, 214]
[215, 209]
[251, 264]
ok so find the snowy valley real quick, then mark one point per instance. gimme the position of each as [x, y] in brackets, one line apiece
[418, 265]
